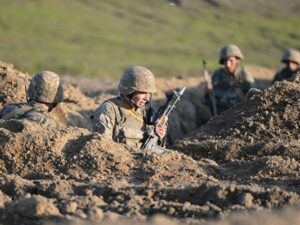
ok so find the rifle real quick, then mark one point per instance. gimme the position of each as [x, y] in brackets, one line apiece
[162, 112]
[26, 93]
[211, 94]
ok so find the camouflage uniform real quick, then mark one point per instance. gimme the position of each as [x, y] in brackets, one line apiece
[33, 111]
[291, 55]
[285, 74]
[117, 119]
[229, 89]
[45, 87]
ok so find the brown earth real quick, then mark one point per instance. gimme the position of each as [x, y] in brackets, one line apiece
[235, 169]
[267, 124]
[13, 84]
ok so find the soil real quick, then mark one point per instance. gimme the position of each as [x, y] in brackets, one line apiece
[241, 167]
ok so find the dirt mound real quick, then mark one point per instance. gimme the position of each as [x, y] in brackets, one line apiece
[70, 174]
[77, 108]
[13, 84]
[267, 124]
[69, 152]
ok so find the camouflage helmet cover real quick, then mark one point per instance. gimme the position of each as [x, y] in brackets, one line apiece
[291, 55]
[228, 51]
[137, 78]
[46, 87]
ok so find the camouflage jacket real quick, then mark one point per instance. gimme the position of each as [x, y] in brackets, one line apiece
[117, 120]
[32, 111]
[284, 74]
[230, 89]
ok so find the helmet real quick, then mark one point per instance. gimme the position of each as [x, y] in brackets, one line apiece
[230, 50]
[46, 87]
[291, 55]
[137, 78]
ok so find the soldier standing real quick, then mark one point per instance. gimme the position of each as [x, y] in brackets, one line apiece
[45, 92]
[124, 118]
[231, 82]
[291, 59]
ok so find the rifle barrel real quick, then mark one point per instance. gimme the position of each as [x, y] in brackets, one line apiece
[171, 106]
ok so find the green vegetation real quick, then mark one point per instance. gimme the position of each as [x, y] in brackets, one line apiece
[101, 38]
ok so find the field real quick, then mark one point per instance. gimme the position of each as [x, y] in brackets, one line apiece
[100, 38]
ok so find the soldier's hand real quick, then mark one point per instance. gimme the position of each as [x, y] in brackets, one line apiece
[161, 127]
[208, 88]
[161, 131]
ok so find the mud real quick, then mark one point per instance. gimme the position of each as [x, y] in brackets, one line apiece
[242, 167]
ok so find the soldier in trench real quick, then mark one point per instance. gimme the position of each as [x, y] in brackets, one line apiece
[230, 83]
[291, 60]
[45, 92]
[124, 118]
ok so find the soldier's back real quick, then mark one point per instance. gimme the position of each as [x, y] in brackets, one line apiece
[32, 111]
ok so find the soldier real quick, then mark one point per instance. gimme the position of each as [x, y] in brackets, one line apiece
[124, 118]
[291, 59]
[229, 83]
[44, 93]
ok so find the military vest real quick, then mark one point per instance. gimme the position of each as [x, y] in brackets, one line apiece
[228, 89]
[130, 125]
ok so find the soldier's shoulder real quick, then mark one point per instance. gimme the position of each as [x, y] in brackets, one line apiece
[283, 72]
[106, 107]
[16, 105]
[10, 108]
[278, 75]
[40, 116]
[218, 72]
[245, 75]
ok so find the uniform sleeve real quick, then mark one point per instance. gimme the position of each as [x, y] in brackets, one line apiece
[6, 110]
[248, 81]
[104, 120]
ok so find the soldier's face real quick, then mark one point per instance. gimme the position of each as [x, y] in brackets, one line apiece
[141, 98]
[231, 63]
[292, 66]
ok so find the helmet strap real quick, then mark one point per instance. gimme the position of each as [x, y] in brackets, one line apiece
[131, 101]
